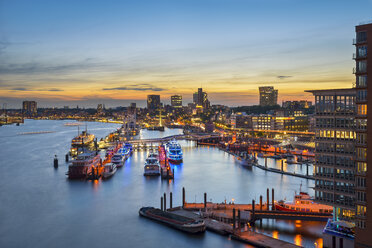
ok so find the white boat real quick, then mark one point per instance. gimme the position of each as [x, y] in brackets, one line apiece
[109, 170]
[118, 159]
[152, 165]
[247, 160]
[174, 151]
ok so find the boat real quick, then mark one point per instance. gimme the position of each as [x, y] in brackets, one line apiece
[155, 128]
[84, 165]
[179, 222]
[152, 165]
[81, 143]
[109, 170]
[303, 203]
[342, 230]
[118, 159]
[291, 159]
[247, 160]
[129, 147]
[174, 152]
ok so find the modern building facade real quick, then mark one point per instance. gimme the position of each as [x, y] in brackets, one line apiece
[363, 175]
[29, 107]
[200, 99]
[268, 96]
[153, 102]
[176, 101]
[334, 170]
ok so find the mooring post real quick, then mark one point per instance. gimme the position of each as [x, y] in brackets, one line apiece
[239, 227]
[183, 197]
[282, 165]
[67, 157]
[233, 219]
[165, 202]
[260, 202]
[170, 200]
[272, 196]
[307, 169]
[268, 200]
[173, 174]
[266, 162]
[205, 201]
[55, 161]
[161, 203]
[253, 219]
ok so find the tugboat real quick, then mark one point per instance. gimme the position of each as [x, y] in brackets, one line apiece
[152, 165]
[174, 152]
[303, 203]
[179, 222]
[83, 165]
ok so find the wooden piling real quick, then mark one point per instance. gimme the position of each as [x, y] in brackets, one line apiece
[307, 169]
[67, 158]
[55, 162]
[233, 219]
[282, 165]
[239, 225]
[170, 200]
[161, 203]
[267, 200]
[260, 202]
[205, 201]
[183, 197]
[165, 202]
[266, 162]
[272, 200]
[253, 211]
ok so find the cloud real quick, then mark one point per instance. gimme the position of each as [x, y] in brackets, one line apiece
[26, 89]
[54, 89]
[283, 77]
[137, 87]
[20, 89]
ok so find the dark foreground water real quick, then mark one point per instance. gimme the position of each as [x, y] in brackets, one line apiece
[39, 207]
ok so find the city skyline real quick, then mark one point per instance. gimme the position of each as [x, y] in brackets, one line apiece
[62, 54]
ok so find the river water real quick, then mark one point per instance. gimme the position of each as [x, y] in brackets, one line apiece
[39, 207]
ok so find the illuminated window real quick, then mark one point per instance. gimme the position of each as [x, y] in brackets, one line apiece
[362, 109]
[361, 153]
[361, 210]
[362, 167]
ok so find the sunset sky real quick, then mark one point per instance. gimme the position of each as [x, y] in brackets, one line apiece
[114, 52]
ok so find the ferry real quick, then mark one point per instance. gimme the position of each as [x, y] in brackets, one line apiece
[109, 170]
[152, 165]
[81, 143]
[304, 203]
[83, 165]
[174, 152]
[179, 222]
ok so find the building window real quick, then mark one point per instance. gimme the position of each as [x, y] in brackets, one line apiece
[362, 167]
[361, 210]
[361, 81]
[361, 36]
[362, 95]
[361, 124]
[362, 51]
[361, 138]
[362, 109]
[361, 154]
[362, 66]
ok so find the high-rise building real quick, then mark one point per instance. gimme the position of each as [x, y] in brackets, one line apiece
[268, 96]
[363, 175]
[334, 170]
[153, 102]
[176, 101]
[29, 107]
[200, 98]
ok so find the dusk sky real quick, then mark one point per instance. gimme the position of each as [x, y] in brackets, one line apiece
[115, 52]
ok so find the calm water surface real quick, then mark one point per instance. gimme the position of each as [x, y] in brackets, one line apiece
[39, 207]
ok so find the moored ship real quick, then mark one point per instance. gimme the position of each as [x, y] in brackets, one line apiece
[174, 152]
[84, 165]
[174, 220]
[81, 143]
[109, 170]
[152, 166]
[247, 160]
[303, 203]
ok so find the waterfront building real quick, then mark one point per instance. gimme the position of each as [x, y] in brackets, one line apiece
[363, 175]
[153, 102]
[263, 122]
[303, 104]
[334, 168]
[176, 101]
[268, 96]
[29, 107]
